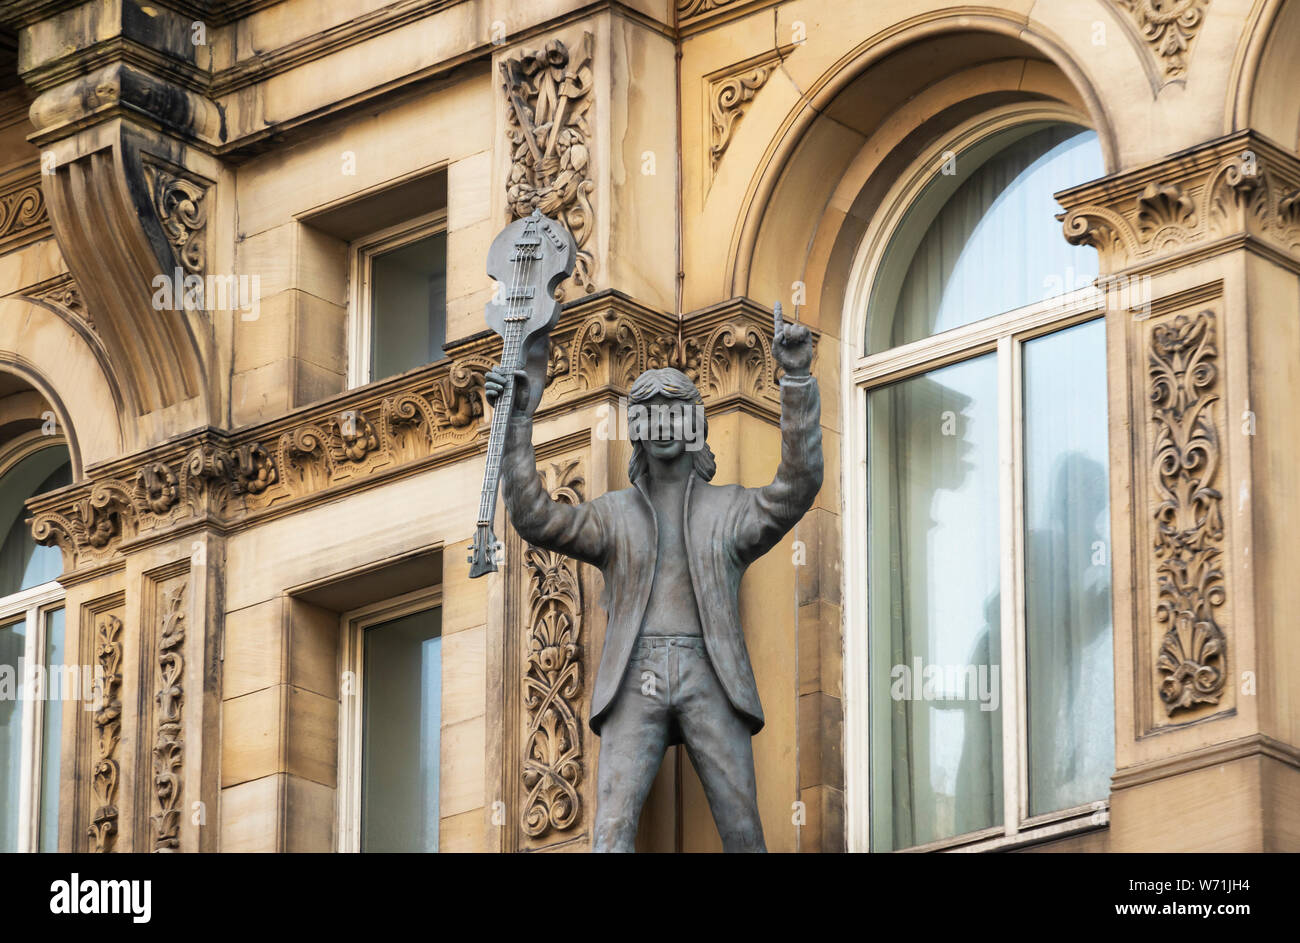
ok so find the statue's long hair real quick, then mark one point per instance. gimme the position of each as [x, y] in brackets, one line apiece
[673, 384]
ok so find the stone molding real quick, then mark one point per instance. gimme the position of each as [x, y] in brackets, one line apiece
[395, 427]
[1240, 188]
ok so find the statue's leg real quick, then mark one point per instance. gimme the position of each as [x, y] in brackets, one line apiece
[633, 738]
[720, 746]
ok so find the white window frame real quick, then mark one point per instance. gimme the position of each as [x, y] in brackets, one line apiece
[1004, 334]
[353, 626]
[31, 606]
[361, 254]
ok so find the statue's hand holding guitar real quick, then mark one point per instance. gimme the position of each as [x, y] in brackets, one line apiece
[496, 380]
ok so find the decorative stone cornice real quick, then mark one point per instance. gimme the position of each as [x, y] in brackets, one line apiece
[1240, 188]
[212, 478]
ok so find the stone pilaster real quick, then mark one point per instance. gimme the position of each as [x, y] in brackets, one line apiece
[1201, 261]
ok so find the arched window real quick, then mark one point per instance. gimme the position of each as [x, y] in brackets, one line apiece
[986, 539]
[31, 641]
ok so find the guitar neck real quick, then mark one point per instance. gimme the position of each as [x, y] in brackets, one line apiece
[511, 359]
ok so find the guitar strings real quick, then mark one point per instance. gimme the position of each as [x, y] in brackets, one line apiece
[520, 276]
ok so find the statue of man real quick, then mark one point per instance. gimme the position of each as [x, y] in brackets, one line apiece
[672, 549]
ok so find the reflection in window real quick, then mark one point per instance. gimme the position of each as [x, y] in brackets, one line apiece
[936, 712]
[24, 563]
[1067, 569]
[994, 244]
[49, 804]
[408, 306]
[13, 643]
[401, 734]
[945, 752]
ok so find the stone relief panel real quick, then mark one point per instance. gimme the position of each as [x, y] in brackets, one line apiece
[166, 669]
[553, 694]
[1183, 391]
[548, 126]
[729, 94]
[105, 762]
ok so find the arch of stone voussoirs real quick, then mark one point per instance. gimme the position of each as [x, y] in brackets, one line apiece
[1265, 75]
[47, 350]
[1047, 70]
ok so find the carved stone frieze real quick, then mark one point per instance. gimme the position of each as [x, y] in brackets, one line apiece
[23, 214]
[105, 771]
[601, 344]
[169, 745]
[548, 103]
[1168, 28]
[1240, 186]
[552, 769]
[1183, 390]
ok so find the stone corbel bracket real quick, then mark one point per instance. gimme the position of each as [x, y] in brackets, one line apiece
[124, 216]
[1238, 190]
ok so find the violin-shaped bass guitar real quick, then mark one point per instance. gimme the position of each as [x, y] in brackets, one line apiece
[528, 259]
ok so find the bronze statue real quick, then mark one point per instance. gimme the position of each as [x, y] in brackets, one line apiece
[672, 549]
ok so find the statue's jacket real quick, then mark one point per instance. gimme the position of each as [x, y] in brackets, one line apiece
[727, 528]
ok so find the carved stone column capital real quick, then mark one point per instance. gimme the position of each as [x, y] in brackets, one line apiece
[1234, 190]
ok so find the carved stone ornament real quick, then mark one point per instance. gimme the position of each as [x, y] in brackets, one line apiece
[548, 103]
[22, 213]
[552, 763]
[169, 747]
[1168, 28]
[686, 9]
[183, 213]
[601, 344]
[105, 772]
[729, 95]
[1183, 390]
[1239, 187]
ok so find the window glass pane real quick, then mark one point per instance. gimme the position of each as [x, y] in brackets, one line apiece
[401, 728]
[1067, 569]
[23, 563]
[408, 304]
[57, 692]
[13, 639]
[984, 239]
[934, 606]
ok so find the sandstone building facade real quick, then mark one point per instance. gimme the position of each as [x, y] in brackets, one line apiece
[1049, 251]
